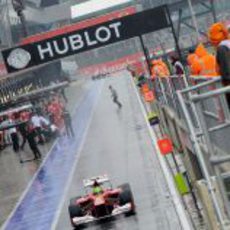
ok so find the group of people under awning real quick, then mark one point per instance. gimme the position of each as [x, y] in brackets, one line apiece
[35, 125]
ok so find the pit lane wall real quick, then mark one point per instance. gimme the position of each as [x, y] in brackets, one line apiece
[194, 113]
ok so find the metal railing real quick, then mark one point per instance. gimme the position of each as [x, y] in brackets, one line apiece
[200, 104]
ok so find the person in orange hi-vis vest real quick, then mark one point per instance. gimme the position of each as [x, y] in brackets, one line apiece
[218, 35]
[204, 64]
[159, 69]
[191, 57]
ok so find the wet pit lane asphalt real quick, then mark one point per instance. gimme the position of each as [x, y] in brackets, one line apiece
[117, 143]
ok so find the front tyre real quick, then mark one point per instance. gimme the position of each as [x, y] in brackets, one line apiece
[75, 210]
[126, 196]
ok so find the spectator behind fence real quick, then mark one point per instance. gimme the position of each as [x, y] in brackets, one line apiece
[219, 37]
[178, 68]
[204, 64]
[159, 69]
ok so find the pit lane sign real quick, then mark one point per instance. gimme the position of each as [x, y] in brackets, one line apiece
[33, 54]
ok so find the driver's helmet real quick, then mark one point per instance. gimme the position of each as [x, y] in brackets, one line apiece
[97, 189]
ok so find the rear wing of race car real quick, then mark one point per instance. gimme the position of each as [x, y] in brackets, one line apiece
[100, 180]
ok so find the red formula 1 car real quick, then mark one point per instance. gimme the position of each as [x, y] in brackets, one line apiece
[101, 201]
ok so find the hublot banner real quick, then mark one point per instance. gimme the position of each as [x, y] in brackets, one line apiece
[26, 56]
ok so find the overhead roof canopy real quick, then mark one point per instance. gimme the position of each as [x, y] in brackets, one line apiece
[93, 6]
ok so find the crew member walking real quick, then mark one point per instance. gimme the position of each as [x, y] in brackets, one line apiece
[14, 138]
[22, 130]
[36, 121]
[12, 132]
[23, 118]
[30, 136]
[68, 123]
[115, 97]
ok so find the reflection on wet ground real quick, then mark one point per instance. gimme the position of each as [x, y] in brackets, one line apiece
[109, 223]
[40, 203]
[118, 144]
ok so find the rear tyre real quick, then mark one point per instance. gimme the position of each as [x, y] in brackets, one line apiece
[126, 196]
[75, 211]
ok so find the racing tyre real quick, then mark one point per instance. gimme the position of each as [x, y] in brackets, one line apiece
[126, 196]
[74, 210]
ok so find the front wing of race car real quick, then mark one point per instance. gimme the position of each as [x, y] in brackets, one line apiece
[88, 218]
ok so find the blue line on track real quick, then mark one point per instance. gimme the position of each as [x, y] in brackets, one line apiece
[39, 205]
